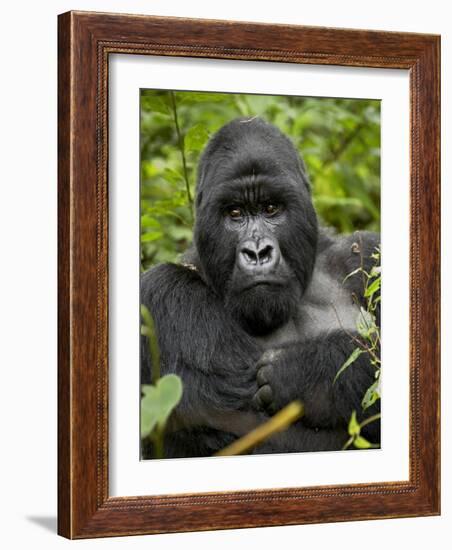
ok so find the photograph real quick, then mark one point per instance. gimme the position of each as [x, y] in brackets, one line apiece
[260, 274]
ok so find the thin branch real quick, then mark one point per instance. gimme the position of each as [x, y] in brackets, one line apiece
[158, 441]
[180, 140]
[347, 139]
[282, 420]
[148, 329]
[369, 420]
[355, 339]
[365, 279]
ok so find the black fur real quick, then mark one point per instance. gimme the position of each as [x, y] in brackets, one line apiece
[265, 317]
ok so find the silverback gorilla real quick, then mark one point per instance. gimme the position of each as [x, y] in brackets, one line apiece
[258, 313]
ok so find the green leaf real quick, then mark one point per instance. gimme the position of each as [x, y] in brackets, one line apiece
[173, 176]
[353, 426]
[325, 200]
[155, 104]
[151, 236]
[353, 357]
[158, 402]
[190, 98]
[361, 443]
[354, 272]
[365, 323]
[196, 138]
[149, 416]
[180, 232]
[149, 221]
[372, 395]
[372, 288]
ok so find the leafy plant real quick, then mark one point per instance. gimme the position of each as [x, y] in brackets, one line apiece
[354, 431]
[368, 342]
[160, 398]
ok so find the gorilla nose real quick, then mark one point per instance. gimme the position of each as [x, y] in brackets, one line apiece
[258, 256]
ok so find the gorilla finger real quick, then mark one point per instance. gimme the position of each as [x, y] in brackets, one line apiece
[266, 394]
[263, 397]
[263, 375]
[256, 403]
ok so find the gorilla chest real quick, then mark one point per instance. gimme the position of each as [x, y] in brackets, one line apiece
[325, 308]
[286, 334]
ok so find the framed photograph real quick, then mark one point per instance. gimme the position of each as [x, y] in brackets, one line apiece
[248, 275]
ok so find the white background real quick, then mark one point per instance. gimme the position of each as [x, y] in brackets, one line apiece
[28, 271]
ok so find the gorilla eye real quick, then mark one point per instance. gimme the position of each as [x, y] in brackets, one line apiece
[234, 212]
[271, 209]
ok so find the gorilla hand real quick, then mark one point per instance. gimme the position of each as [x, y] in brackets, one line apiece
[286, 373]
[272, 381]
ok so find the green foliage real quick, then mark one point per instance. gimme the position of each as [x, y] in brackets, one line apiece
[353, 425]
[352, 358]
[372, 394]
[148, 329]
[158, 402]
[354, 431]
[368, 342]
[339, 140]
[365, 324]
[160, 398]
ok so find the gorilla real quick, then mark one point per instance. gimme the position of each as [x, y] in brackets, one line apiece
[260, 311]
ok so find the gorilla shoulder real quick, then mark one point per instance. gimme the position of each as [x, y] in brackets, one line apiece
[166, 280]
[336, 290]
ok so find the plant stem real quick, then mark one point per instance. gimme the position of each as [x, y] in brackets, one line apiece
[345, 142]
[370, 419]
[154, 349]
[282, 420]
[180, 140]
[157, 440]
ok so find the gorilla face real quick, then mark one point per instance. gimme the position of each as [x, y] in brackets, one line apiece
[256, 229]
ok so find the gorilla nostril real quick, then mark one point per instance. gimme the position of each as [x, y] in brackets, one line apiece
[265, 255]
[250, 256]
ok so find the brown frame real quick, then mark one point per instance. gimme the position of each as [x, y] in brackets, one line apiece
[85, 41]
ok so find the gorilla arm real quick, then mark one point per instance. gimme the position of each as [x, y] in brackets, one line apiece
[214, 357]
[306, 371]
[305, 366]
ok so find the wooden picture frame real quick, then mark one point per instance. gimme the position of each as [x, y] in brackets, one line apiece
[85, 42]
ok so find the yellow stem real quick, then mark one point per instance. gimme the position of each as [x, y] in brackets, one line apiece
[282, 420]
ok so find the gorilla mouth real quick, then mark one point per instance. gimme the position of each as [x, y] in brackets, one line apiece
[265, 283]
